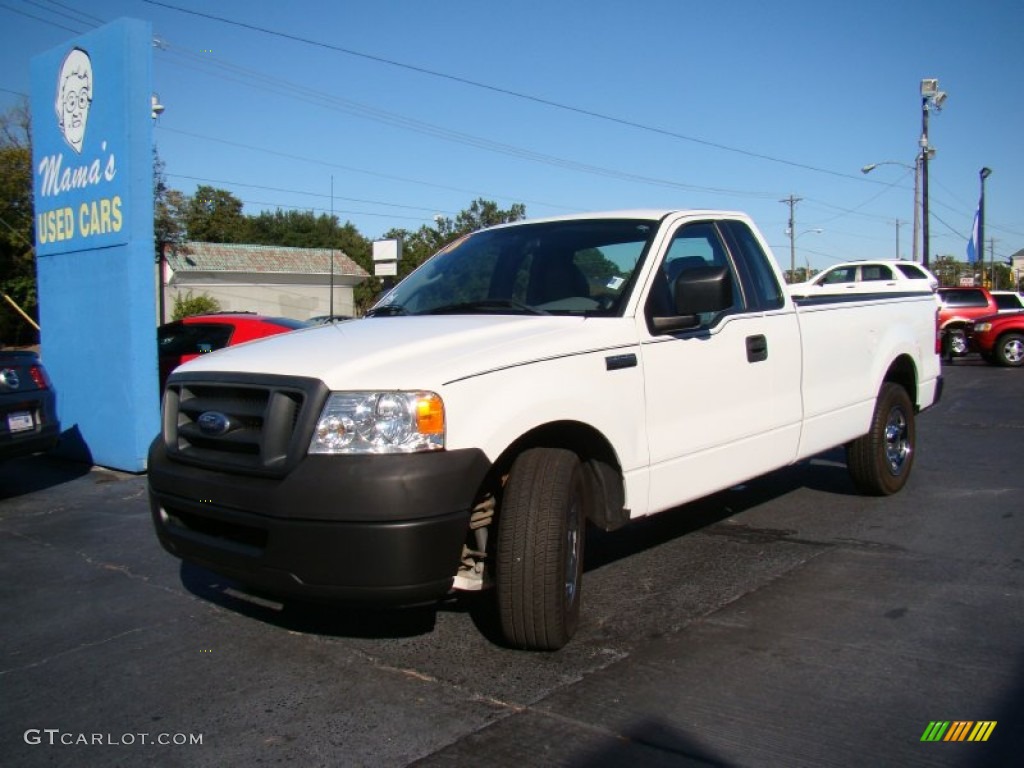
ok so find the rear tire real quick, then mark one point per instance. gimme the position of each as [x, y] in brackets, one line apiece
[540, 549]
[880, 461]
[1009, 350]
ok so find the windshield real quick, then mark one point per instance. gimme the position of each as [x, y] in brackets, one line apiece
[580, 267]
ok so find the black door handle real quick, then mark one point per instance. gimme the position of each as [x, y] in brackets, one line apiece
[757, 349]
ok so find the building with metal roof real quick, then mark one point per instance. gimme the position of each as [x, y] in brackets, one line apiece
[267, 279]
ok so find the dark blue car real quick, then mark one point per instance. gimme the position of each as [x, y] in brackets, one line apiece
[28, 406]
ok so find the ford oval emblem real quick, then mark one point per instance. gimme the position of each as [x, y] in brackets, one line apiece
[214, 423]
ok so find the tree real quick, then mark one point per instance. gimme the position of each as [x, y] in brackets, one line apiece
[481, 213]
[215, 216]
[947, 270]
[419, 246]
[17, 226]
[305, 229]
[170, 208]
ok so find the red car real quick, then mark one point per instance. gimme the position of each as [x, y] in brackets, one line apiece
[959, 306]
[1000, 338]
[186, 339]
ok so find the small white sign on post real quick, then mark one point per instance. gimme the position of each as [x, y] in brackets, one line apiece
[386, 254]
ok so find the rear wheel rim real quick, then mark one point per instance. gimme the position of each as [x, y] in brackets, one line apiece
[897, 441]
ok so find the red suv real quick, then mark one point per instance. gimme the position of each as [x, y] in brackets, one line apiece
[183, 340]
[1000, 338]
[958, 307]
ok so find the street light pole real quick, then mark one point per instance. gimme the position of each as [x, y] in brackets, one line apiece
[917, 205]
[931, 98]
[924, 180]
[983, 174]
[916, 168]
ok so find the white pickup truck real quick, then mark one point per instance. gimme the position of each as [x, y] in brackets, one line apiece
[527, 379]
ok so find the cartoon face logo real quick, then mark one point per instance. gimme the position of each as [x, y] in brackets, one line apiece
[74, 95]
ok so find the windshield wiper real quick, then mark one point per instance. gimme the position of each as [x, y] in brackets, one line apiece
[388, 310]
[483, 305]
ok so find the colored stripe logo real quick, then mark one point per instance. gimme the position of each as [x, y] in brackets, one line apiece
[958, 730]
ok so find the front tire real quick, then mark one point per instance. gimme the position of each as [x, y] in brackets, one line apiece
[880, 461]
[957, 342]
[1009, 350]
[540, 549]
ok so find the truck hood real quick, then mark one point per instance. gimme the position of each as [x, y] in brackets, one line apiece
[415, 352]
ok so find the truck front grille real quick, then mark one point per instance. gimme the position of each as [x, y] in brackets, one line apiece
[259, 425]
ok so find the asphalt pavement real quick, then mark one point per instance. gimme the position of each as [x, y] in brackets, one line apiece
[786, 622]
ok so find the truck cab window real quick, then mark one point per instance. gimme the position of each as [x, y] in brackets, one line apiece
[693, 245]
[761, 286]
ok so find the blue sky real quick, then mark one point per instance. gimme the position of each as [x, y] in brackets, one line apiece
[418, 108]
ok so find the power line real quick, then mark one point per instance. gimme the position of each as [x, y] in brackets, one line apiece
[302, 192]
[86, 17]
[319, 98]
[949, 227]
[505, 91]
[321, 162]
[77, 17]
[215, 67]
[856, 209]
[336, 211]
[39, 18]
[294, 90]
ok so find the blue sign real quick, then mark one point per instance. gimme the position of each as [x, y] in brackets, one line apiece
[93, 181]
[80, 143]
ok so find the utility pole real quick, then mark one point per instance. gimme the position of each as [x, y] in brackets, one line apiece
[897, 239]
[992, 260]
[792, 201]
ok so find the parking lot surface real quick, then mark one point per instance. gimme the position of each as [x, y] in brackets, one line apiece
[786, 622]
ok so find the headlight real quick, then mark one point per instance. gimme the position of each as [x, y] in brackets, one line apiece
[379, 422]
[982, 327]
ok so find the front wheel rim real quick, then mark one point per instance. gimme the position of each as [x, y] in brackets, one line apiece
[1013, 351]
[572, 542]
[897, 441]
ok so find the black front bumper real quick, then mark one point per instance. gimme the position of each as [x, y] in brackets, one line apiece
[377, 528]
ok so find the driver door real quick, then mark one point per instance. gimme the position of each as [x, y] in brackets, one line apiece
[723, 398]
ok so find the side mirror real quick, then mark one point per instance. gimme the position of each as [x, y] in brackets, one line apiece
[696, 291]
